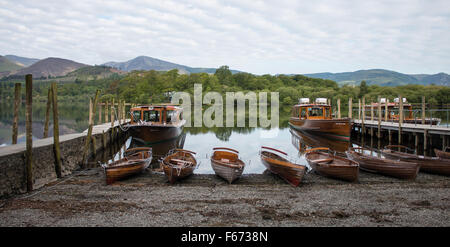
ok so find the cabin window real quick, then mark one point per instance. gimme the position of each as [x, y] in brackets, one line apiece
[327, 112]
[151, 116]
[170, 116]
[315, 112]
[303, 113]
[136, 116]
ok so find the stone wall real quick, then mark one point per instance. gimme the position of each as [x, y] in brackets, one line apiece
[12, 161]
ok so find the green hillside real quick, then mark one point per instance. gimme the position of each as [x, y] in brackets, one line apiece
[7, 65]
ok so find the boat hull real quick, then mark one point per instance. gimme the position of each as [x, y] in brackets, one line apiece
[227, 172]
[290, 172]
[388, 167]
[150, 135]
[348, 172]
[433, 165]
[335, 128]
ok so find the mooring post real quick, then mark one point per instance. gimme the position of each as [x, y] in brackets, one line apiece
[29, 129]
[443, 142]
[99, 113]
[92, 107]
[350, 106]
[400, 120]
[56, 131]
[103, 140]
[425, 140]
[416, 142]
[371, 111]
[363, 114]
[359, 109]
[339, 107]
[113, 108]
[379, 122]
[386, 112]
[17, 101]
[47, 111]
[106, 111]
[423, 110]
[390, 136]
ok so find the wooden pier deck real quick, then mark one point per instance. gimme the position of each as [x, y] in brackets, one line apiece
[405, 127]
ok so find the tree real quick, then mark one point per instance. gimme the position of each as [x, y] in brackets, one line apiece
[363, 89]
[224, 75]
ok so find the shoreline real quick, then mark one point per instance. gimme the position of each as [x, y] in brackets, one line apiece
[254, 200]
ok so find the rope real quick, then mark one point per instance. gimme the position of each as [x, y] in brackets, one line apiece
[121, 125]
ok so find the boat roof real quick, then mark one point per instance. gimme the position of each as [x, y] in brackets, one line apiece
[166, 106]
[311, 104]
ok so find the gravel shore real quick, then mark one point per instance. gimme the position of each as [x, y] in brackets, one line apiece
[254, 200]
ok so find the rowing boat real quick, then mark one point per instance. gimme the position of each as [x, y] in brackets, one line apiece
[136, 160]
[330, 165]
[277, 162]
[434, 165]
[178, 164]
[389, 167]
[226, 163]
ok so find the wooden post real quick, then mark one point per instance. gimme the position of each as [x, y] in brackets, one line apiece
[416, 141]
[339, 107]
[56, 131]
[359, 109]
[400, 120]
[29, 125]
[390, 136]
[423, 109]
[99, 114]
[103, 140]
[92, 108]
[379, 117]
[425, 140]
[371, 111]
[350, 106]
[443, 142]
[113, 109]
[363, 113]
[106, 111]
[17, 102]
[386, 110]
[47, 111]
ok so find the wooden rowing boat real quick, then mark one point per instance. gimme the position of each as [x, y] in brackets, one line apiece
[289, 171]
[389, 167]
[442, 154]
[329, 165]
[178, 164]
[434, 165]
[226, 163]
[135, 161]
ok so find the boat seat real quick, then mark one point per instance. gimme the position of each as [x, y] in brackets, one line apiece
[326, 161]
[182, 162]
[225, 160]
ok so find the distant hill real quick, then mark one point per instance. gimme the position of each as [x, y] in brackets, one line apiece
[23, 61]
[149, 63]
[383, 78]
[50, 67]
[94, 72]
[7, 65]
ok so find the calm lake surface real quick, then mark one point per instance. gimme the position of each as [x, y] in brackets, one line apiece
[74, 119]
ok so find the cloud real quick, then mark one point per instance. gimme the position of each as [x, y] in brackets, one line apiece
[284, 36]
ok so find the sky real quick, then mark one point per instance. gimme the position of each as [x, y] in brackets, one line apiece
[260, 37]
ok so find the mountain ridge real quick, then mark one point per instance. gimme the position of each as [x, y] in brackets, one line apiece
[383, 77]
[150, 63]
